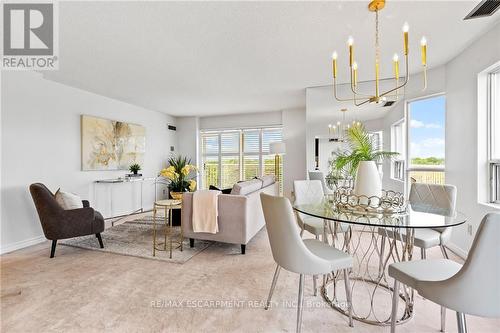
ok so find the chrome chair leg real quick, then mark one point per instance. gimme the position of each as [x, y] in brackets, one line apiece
[443, 319]
[461, 324]
[315, 285]
[395, 299]
[300, 303]
[348, 295]
[423, 253]
[443, 249]
[273, 285]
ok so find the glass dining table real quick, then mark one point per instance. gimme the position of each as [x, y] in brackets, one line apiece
[366, 233]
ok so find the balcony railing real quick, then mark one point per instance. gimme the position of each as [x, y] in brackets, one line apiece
[430, 174]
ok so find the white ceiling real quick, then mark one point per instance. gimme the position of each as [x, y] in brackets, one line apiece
[208, 58]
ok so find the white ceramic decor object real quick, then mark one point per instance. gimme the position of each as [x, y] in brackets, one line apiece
[368, 180]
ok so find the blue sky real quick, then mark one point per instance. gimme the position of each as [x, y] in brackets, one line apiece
[427, 124]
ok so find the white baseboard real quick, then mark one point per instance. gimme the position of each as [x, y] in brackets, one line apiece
[457, 250]
[22, 244]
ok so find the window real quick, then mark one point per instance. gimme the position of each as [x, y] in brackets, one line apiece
[494, 134]
[398, 144]
[241, 154]
[426, 138]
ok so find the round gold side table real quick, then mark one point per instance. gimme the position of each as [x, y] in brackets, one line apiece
[169, 242]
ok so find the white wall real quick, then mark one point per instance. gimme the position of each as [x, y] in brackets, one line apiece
[241, 120]
[188, 139]
[40, 133]
[462, 150]
[294, 135]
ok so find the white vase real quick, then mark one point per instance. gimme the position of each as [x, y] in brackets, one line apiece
[368, 180]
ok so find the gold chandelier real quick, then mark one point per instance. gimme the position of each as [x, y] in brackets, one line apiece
[378, 97]
[337, 132]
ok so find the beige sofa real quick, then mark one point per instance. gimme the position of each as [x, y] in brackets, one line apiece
[240, 213]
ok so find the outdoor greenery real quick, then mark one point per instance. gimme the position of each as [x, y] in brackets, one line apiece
[230, 171]
[361, 148]
[427, 161]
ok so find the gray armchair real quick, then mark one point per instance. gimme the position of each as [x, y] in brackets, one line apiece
[58, 223]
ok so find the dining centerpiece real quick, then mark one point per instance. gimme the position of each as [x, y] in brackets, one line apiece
[389, 202]
[179, 176]
[360, 161]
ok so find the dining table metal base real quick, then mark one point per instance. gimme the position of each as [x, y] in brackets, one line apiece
[371, 287]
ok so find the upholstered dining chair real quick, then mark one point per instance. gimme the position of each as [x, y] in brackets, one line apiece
[473, 288]
[319, 175]
[432, 198]
[304, 257]
[309, 192]
[58, 223]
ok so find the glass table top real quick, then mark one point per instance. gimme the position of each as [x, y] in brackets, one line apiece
[415, 216]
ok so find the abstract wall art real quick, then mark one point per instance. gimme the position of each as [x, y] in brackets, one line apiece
[111, 145]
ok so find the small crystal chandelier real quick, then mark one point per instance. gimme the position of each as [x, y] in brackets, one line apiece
[378, 97]
[338, 131]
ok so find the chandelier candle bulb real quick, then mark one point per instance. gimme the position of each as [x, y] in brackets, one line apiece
[406, 27]
[350, 42]
[395, 60]
[423, 44]
[334, 64]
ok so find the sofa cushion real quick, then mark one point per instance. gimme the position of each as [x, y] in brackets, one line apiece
[267, 180]
[68, 200]
[247, 187]
[224, 191]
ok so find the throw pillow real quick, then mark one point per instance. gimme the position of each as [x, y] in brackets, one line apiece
[224, 191]
[68, 200]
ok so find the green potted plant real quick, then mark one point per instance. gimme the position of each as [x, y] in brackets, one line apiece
[360, 161]
[178, 173]
[134, 168]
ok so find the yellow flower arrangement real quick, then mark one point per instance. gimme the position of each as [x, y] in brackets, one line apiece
[192, 185]
[178, 173]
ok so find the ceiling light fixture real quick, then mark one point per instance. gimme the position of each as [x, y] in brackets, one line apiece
[378, 97]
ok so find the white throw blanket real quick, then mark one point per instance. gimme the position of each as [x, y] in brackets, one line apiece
[205, 213]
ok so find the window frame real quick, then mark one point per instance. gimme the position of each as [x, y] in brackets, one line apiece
[409, 167]
[493, 164]
[398, 164]
[241, 153]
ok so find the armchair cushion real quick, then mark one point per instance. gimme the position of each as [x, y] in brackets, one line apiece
[68, 200]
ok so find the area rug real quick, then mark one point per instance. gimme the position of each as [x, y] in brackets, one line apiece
[135, 238]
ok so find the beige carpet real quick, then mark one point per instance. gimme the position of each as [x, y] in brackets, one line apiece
[91, 291]
[135, 238]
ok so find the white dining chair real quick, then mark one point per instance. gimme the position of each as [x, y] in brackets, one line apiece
[319, 175]
[431, 198]
[304, 257]
[311, 192]
[473, 288]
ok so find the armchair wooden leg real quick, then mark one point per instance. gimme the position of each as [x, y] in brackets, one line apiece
[243, 247]
[191, 242]
[100, 240]
[53, 249]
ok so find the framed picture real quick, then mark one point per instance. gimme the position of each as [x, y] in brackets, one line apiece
[110, 144]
